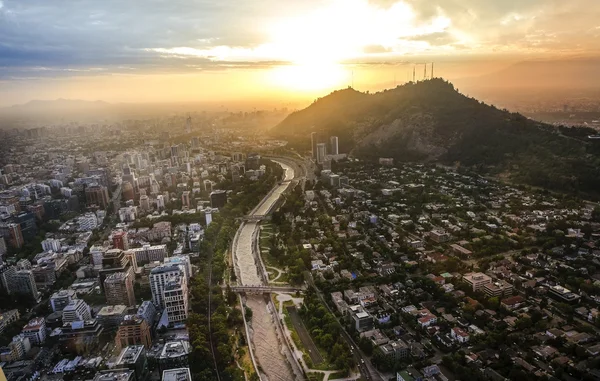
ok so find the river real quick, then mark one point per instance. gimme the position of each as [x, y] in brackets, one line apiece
[268, 349]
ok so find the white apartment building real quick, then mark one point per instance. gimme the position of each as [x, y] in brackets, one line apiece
[51, 244]
[158, 278]
[76, 310]
[175, 296]
[149, 253]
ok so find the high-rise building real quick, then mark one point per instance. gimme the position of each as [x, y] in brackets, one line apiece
[145, 203]
[174, 151]
[183, 261]
[118, 288]
[127, 191]
[115, 261]
[98, 195]
[120, 240]
[160, 202]
[158, 278]
[76, 310]
[15, 238]
[24, 283]
[134, 330]
[51, 244]
[334, 145]
[35, 330]
[185, 199]
[111, 316]
[218, 198]
[314, 140]
[3, 248]
[147, 311]
[208, 216]
[97, 253]
[175, 295]
[6, 277]
[134, 358]
[149, 253]
[321, 152]
[60, 299]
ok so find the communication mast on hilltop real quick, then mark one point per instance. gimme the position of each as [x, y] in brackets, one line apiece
[414, 68]
[425, 72]
[432, 71]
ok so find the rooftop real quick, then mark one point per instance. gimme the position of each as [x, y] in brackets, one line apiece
[112, 310]
[179, 374]
[130, 354]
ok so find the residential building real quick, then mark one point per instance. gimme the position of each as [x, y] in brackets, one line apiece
[178, 374]
[147, 311]
[321, 152]
[185, 199]
[120, 240]
[133, 330]
[76, 310]
[96, 194]
[60, 299]
[111, 316]
[134, 358]
[80, 337]
[175, 296]
[563, 294]
[7, 318]
[218, 198]
[115, 375]
[363, 321]
[334, 141]
[397, 350]
[158, 278]
[23, 283]
[6, 276]
[477, 280]
[459, 335]
[498, 289]
[118, 288]
[35, 331]
[51, 244]
[149, 253]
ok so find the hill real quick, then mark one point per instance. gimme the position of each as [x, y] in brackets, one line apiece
[431, 121]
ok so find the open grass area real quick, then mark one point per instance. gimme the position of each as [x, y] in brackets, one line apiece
[316, 376]
[340, 374]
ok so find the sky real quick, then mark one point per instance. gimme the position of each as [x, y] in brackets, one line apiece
[184, 50]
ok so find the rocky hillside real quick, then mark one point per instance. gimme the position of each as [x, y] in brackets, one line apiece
[431, 121]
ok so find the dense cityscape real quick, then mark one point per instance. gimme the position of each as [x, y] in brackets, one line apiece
[315, 190]
[155, 258]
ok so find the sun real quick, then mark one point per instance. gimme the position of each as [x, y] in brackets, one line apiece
[309, 77]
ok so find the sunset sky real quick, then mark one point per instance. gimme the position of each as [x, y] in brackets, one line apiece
[184, 50]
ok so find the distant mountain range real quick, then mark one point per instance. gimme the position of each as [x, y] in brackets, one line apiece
[57, 104]
[431, 121]
[574, 73]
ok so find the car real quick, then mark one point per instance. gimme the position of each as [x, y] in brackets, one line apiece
[362, 361]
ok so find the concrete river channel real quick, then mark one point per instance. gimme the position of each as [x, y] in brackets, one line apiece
[272, 357]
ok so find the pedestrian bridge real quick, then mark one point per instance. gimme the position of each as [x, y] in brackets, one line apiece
[264, 289]
[254, 218]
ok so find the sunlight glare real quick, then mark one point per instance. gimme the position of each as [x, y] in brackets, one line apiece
[309, 77]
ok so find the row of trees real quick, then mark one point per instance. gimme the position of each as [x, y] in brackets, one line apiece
[326, 331]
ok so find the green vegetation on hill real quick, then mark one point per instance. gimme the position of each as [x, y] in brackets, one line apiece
[432, 121]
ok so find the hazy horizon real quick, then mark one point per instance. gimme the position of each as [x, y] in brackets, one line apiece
[183, 51]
